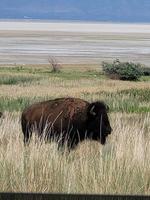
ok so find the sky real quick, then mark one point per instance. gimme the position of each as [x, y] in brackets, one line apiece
[85, 10]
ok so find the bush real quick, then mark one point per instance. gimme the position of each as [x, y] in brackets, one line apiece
[146, 71]
[122, 70]
[55, 66]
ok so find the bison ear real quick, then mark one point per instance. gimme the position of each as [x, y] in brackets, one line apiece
[91, 111]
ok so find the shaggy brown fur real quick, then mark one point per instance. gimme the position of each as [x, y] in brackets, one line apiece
[66, 119]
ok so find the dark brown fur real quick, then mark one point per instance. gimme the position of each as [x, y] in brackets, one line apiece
[1, 114]
[67, 120]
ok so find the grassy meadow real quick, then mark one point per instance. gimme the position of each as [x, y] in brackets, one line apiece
[122, 166]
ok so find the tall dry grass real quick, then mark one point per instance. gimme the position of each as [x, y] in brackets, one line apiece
[122, 166]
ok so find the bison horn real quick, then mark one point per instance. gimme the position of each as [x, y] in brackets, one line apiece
[92, 111]
[107, 108]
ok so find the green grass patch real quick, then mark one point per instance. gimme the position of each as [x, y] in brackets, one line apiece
[130, 101]
[64, 74]
[142, 95]
[75, 75]
[14, 80]
[145, 78]
[18, 69]
[18, 104]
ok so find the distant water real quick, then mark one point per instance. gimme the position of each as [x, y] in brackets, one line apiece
[33, 42]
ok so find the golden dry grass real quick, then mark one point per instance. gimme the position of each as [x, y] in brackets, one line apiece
[53, 85]
[120, 167]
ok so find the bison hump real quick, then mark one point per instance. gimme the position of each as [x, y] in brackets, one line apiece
[76, 110]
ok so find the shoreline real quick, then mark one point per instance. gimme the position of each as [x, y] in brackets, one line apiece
[74, 26]
[72, 21]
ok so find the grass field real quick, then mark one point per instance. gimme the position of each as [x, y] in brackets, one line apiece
[122, 166]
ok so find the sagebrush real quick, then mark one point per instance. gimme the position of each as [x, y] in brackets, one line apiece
[123, 70]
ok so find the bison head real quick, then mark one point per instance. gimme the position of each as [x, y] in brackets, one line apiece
[98, 125]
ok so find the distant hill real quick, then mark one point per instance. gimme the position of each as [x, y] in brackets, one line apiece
[87, 10]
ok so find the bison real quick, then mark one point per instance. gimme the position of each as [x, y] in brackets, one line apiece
[68, 120]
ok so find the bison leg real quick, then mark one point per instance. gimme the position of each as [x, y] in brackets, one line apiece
[27, 132]
[73, 140]
[72, 144]
[27, 136]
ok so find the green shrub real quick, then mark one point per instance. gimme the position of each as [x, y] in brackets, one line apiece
[122, 70]
[146, 71]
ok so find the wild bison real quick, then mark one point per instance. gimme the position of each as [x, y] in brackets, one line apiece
[68, 120]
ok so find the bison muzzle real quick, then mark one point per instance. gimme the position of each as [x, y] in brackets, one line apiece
[67, 120]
